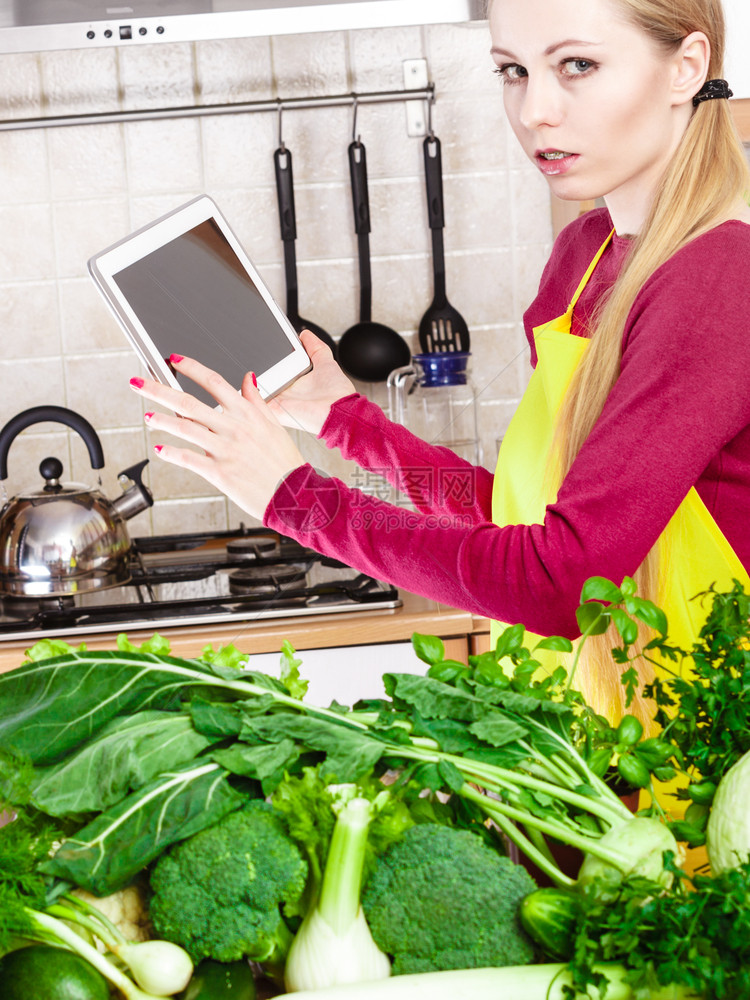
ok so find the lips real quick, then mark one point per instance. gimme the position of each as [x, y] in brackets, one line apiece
[554, 161]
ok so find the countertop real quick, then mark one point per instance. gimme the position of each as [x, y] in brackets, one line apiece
[417, 614]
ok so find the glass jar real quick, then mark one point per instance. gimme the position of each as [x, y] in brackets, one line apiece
[434, 397]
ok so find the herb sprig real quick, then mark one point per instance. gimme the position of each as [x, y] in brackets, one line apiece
[695, 934]
[712, 728]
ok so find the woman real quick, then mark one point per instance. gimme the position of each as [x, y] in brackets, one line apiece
[631, 447]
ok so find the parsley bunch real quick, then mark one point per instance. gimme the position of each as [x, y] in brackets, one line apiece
[712, 728]
[695, 935]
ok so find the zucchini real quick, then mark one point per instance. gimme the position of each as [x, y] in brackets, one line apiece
[549, 918]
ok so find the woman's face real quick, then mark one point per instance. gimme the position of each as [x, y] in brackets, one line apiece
[589, 96]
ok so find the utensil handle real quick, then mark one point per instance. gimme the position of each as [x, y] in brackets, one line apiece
[360, 194]
[282, 161]
[361, 209]
[433, 172]
[438, 266]
[290, 277]
[365, 278]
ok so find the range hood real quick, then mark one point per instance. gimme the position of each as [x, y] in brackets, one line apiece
[42, 25]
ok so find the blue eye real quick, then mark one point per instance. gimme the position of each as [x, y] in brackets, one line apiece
[511, 73]
[578, 67]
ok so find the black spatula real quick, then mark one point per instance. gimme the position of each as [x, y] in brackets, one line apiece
[442, 328]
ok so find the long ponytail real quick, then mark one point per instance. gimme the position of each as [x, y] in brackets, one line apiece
[700, 189]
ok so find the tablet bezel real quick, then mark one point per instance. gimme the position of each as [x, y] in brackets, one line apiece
[105, 265]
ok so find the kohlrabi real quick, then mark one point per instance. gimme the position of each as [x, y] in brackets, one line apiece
[728, 831]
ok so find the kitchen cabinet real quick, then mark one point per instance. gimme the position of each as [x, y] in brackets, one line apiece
[348, 673]
[86, 24]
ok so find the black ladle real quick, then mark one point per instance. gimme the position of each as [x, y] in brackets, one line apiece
[367, 351]
[282, 160]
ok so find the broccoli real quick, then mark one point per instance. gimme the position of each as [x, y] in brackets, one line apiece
[441, 898]
[220, 893]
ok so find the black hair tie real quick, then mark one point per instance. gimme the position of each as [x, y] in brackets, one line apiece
[712, 90]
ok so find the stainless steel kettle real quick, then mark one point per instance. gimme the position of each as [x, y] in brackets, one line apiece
[65, 538]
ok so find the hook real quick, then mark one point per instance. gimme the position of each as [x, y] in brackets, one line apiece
[280, 108]
[355, 104]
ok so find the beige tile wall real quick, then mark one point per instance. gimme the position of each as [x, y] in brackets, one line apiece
[66, 193]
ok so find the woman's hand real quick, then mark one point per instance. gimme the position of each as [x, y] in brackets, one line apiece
[246, 450]
[305, 404]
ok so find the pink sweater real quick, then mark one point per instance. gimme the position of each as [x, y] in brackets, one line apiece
[678, 416]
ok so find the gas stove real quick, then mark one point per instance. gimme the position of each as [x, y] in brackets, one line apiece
[198, 579]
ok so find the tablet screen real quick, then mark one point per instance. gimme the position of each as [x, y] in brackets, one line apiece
[195, 298]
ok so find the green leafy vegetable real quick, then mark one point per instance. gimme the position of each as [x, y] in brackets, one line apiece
[155, 644]
[106, 854]
[695, 935]
[289, 675]
[126, 753]
[712, 727]
[67, 699]
[25, 913]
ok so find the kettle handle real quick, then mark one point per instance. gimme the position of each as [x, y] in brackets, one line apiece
[55, 414]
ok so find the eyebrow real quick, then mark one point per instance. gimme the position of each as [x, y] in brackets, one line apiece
[496, 50]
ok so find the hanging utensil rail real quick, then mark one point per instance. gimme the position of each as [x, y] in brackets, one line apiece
[203, 110]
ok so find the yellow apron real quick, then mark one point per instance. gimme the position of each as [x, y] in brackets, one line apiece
[693, 552]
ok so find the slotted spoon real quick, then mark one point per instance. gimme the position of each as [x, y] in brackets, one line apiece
[442, 328]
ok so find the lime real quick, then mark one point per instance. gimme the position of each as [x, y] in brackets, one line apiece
[46, 973]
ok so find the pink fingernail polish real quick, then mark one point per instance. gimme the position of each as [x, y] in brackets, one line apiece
[158, 448]
[137, 383]
[147, 416]
[175, 359]
[255, 381]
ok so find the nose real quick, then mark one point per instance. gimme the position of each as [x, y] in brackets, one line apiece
[542, 104]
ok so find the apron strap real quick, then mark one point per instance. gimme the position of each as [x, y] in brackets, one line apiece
[589, 272]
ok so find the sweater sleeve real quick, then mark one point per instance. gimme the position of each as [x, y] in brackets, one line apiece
[434, 478]
[682, 396]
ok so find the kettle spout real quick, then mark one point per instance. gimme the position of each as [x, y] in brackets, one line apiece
[137, 496]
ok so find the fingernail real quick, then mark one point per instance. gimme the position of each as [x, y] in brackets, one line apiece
[137, 383]
[175, 359]
[158, 448]
[255, 381]
[147, 416]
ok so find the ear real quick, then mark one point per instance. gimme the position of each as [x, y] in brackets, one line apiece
[690, 67]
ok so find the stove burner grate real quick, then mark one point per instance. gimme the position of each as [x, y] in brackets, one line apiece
[253, 547]
[243, 575]
[259, 580]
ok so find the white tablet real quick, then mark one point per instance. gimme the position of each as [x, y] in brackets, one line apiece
[184, 285]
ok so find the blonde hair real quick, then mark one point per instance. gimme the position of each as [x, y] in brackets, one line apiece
[700, 189]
